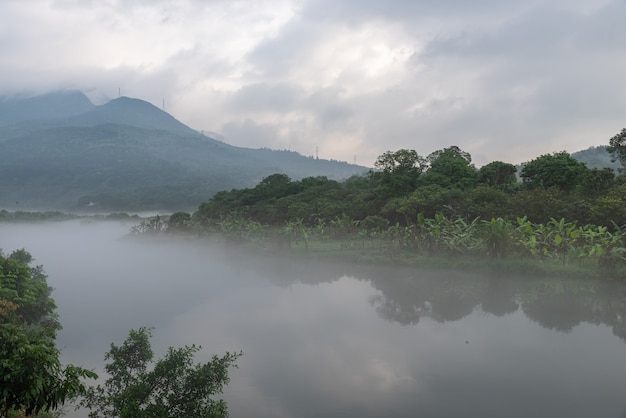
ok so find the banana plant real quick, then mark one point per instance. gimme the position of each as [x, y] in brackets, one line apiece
[498, 236]
[462, 237]
[606, 247]
[526, 238]
[564, 236]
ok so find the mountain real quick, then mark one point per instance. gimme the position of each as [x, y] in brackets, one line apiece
[131, 112]
[46, 107]
[597, 157]
[59, 151]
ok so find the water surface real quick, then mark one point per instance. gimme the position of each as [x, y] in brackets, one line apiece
[335, 340]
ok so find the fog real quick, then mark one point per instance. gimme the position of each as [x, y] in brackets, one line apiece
[332, 339]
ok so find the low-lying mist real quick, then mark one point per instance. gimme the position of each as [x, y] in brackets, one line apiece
[104, 282]
[334, 339]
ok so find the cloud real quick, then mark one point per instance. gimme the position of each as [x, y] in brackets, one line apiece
[264, 97]
[503, 80]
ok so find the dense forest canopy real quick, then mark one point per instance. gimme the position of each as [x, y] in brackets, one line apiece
[438, 205]
[406, 184]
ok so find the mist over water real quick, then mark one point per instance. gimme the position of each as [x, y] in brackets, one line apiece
[331, 339]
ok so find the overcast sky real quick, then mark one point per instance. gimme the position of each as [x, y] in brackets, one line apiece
[504, 80]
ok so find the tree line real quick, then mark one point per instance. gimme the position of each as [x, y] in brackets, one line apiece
[555, 207]
[406, 184]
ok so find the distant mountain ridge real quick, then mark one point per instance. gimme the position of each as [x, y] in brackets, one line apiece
[131, 112]
[597, 157]
[45, 107]
[59, 151]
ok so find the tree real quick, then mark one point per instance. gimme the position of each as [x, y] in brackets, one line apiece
[486, 202]
[596, 182]
[452, 151]
[497, 174]
[399, 171]
[178, 221]
[276, 185]
[32, 379]
[173, 387]
[401, 162]
[559, 170]
[617, 147]
[450, 168]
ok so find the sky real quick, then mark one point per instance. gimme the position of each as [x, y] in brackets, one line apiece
[504, 80]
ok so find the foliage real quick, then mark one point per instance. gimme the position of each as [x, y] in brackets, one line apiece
[401, 162]
[497, 174]
[173, 386]
[559, 170]
[178, 221]
[596, 182]
[399, 171]
[609, 207]
[450, 168]
[32, 378]
[152, 225]
[617, 146]
[441, 205]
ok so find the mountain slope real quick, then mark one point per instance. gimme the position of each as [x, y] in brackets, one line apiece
[131, 112]
[597, 157]
[130, 155]
[46, 107]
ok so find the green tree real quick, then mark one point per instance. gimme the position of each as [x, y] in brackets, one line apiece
[428, 201]
[617, 147]
[450, 168]
[32, 379]
[558, 169]
[178, 221]
[486, 202]
[399, 171]
[538, 205]
[276, 185]
[596, 182]
[610, 207]
[497, 174]
[401, 161]
[173, 387]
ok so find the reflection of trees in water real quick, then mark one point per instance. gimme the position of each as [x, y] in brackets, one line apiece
[407, 294]
[500, 297]
[558, 304]
[441, 296]
[561, 312]
[563, 304]
[391, 310]
[454, 302]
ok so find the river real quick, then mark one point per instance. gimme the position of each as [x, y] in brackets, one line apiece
[324, 339]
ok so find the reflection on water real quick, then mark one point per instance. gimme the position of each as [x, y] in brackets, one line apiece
[331, 339]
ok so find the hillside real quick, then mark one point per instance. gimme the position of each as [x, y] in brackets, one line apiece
[597, 157]
[46, 107]
[59, 151]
